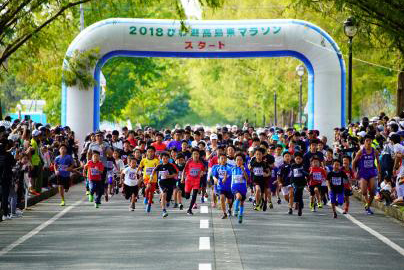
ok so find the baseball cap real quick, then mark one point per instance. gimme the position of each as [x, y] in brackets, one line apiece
[362, 134]
[213, 136]
[36, 133]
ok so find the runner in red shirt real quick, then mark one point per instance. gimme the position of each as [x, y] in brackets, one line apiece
[317, 176]
[94, 169]
[346, 168]
[158, 144]
[193, 171]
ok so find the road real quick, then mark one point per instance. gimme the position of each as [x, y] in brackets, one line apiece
[111, 237]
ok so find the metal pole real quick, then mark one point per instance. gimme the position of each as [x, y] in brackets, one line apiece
[300, 101]
[81, 17]
[276, 113]
[350, 83]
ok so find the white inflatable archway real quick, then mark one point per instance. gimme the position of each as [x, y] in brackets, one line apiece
[213, 39]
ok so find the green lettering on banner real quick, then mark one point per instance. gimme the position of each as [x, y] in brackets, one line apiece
[219, 32]
[195, 32]
[132, 30]
[143, 30]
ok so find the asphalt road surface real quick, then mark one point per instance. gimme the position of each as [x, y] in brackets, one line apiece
[78, 236]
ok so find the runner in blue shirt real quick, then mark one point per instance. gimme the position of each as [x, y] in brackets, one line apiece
[239, 177]
[222, 176]
[63, 166]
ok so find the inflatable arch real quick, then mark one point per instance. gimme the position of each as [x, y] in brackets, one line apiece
[213, 39]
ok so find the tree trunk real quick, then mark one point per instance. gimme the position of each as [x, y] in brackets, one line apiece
[400, 93]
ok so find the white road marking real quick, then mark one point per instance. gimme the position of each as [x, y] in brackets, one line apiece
[204, 209]
[205, 266]
[374, 233]
[30, 234]
[204, 243]
[204, 224]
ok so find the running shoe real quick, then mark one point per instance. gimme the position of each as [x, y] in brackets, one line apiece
[106, 197]
[320, 205]
[148, 208]
[299, 212]
[264, 207]
[279, 201]
[335, 215]
[167, 204]
[62, 203]
[312, 207]
[90, 198]
[235, 213]
[345, 212]
[132, 206]
[202, 199]
[240, 219]
[271, 206]
[195, 206]
[164, 214]
[97, 205]
[290, 212]
[257, 208]
[229, 212]
[145, 201]
[369, 212]
[87, 193]
[250, 199]
[7, 217]
[224, 216]
[189, 212]
[181, 206]
[175, 205]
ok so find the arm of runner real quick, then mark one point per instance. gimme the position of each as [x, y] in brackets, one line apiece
[356, 159]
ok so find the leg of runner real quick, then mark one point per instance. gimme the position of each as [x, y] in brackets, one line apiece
[290, 200]
[257, 198]
[364, 190]
[223, 205]
[193, 200]
[372, 187]
[163, 202]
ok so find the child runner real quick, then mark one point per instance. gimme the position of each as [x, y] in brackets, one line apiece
[222, 176]
[131, 182]
[259, 169]
[335, 181]
[346, 168]
[63, 166]
[120, 166]
[284, 175]
[148, 164]
[239, 178]
[191, 175]
[95, 170]
[317, 176]
[166, 174]
[298, 181]
[180, 163]
[365, 161]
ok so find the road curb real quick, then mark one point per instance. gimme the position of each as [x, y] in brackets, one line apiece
[388, 210]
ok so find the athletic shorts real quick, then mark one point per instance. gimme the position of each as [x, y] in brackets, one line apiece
[63, 181]
[242, 192]
[285, 190]
[130, 190]
[261, 183]
[348, 192]
[166, 185]
[271, 185]
[311, 188]
[191, 184]
[337, 198]
[204, 182]
[227, 193]
[368, 174]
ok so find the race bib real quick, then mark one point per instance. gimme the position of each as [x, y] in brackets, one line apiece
[258, 171]
[94, 171]
[194, 172]
[297, 173]
[62, 167]
[221, 173]
[336, 181]
[132, 175]
[149, 171]
[163, 174]
[368, 163]
[238, 179]
[317, 176]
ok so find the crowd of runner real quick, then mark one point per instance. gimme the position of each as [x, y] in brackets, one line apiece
[229, 165]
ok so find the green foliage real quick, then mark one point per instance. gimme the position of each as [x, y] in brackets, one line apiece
[79, 68]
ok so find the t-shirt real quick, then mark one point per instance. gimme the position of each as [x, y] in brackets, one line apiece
[219, 171]
[238, 180]
[62, 163]
[160, 148]
[231, 161]
[35, 159]
[95, 170]
[102, 148]
[176, 144]
[298, 175]
[337, 180]
[258, 169]
[131, 178]
[285, 173]
[317, 176]
[163, 170]
[193, 170]
[148, 166]
[180, 168]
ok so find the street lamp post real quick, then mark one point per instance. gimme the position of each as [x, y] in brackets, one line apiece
[300, 73]
[275, 110]
[350, 30]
